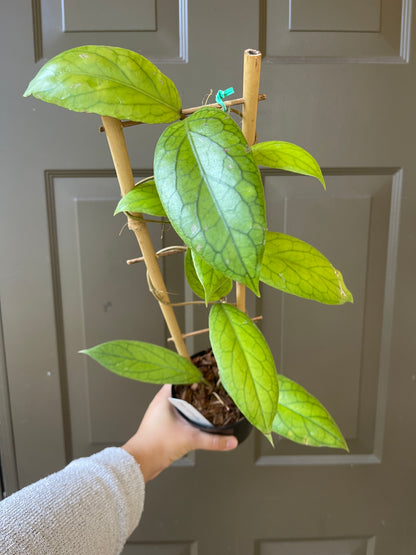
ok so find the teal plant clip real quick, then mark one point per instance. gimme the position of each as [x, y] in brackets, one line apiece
[221, 95]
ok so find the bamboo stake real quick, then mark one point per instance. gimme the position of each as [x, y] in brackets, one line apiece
[119, 153]
[251, 82]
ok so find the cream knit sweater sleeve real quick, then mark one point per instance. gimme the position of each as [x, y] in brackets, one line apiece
[90, 507]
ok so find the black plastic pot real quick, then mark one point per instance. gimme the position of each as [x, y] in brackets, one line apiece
[240, 429]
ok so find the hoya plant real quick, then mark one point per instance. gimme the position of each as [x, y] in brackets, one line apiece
[207, 184]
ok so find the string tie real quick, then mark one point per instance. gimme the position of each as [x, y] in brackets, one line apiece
[223, 94]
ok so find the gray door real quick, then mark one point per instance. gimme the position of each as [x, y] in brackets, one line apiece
[340, 81]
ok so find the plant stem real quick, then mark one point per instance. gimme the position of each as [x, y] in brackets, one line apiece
[251, 83]
[119, 153]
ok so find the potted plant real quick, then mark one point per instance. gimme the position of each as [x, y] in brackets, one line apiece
[207, 184]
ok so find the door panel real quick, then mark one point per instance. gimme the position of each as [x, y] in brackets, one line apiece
[325, 31]
[102, 298]
[326, 547]
[340, 82]
[158, 30]
[339, 352]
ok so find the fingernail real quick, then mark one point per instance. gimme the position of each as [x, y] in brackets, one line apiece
[231, 443]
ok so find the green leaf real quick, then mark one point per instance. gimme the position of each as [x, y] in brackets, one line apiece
[109, 81]
[295, 267]
[302, 418]
[286, 156]
[212, 192]
[144, 362]
[215, 284]
[206, 282]
[143, 198]
[192, 277]
[245, 364]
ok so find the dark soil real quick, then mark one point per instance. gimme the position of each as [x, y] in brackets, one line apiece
[212, 401]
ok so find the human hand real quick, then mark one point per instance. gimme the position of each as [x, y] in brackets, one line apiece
[164, 437]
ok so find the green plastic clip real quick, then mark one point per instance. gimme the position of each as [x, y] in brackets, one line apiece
[223, 94]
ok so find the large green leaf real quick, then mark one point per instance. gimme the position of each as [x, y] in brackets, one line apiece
[144, 362]
[286, 156]
[109, 81]
[245, 364]
[212, 192]
[295, 267]
[143, 198]
[301, 418]
[215, 284]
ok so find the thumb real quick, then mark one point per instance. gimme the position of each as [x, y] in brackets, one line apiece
[215, 442]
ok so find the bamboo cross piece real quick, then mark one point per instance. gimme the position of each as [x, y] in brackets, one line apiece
[190, 111]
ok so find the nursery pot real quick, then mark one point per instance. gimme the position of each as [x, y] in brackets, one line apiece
[240, 428]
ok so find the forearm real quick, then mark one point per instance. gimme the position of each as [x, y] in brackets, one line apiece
[94, 504]
[91, 506]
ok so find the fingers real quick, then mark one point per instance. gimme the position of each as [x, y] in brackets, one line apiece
[212, 442]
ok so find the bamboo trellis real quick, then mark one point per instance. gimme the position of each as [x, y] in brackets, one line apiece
[118, 148]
